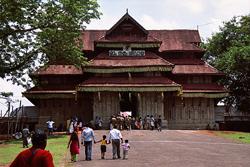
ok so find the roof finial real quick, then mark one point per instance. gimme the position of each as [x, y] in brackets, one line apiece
[127, 10]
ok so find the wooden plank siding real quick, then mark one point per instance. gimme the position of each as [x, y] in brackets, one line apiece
[105, 105]
[188, 113]
[61, 110]
[150, 103]
[180, 113]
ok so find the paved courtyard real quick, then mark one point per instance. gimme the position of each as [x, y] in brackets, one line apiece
[171, 148]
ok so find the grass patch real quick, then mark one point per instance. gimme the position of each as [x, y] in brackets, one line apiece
[57, 145]
[237, 136]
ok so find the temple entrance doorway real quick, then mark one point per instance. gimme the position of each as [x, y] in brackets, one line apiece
[128, 103]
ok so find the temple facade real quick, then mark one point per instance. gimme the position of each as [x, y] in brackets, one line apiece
[145, 72]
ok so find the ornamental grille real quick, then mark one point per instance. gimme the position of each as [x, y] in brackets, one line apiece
[126, 52]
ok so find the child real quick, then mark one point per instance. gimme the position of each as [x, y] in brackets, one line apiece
[125, 147]
[74, 146]
[103, 146]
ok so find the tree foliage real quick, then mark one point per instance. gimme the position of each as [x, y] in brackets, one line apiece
[5, 94]
[229, 51]
[37, 31]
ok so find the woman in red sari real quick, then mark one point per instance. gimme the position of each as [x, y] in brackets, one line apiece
[74, 146]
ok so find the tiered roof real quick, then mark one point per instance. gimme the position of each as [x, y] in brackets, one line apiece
[106, 64]
[138, 84]
[165, 40]
[203, 69]
[128, 32]
[59, 70]
[171, 40]
[210, 90]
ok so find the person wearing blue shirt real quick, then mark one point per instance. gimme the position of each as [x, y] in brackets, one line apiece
[88, 137]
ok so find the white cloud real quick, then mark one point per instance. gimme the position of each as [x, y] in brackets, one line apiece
[226, 9]
[194, 6]
[105, 22]
[149, 22]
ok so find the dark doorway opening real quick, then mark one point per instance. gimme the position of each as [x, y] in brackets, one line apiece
[128, 103]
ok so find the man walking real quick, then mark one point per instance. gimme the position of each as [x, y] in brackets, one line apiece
[88, 136]
[115, 136]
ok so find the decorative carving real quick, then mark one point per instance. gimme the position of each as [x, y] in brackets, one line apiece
[126, 52]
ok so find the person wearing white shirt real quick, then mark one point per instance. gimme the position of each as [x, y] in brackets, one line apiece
[88, 137]
[115, 136]
[50, 126]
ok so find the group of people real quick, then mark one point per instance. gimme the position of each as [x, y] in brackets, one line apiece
[150, 122]
[74, 124]
[87, 139]
[38, 156]
[128, 123]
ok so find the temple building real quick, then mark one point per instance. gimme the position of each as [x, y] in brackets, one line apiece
[146, 72]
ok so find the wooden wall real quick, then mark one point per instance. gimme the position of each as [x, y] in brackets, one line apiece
[180, 113]
[63, 109]
[105, 105]
[150, 103]
[189, 113]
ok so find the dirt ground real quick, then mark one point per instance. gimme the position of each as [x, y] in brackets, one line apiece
[170, 148]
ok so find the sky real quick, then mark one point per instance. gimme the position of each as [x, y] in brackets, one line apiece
[206, 15]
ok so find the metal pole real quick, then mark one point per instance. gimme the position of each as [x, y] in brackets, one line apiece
[17, 117]
[21, 121]
[8, 119]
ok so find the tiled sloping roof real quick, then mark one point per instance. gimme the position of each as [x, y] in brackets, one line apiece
[126, 80]
[195, 69]
[49, 91]
[203, 87]
[185, 61]
[150, 59]
[189, 36]
[134, 84]
[58, 70]
[177, 39]
[149, 39]
[89, 36]
[50, 94]
[125, 18]
[53, 87]
[172, 40]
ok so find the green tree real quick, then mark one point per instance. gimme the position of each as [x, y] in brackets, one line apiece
[229, 51]
[40, 31]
